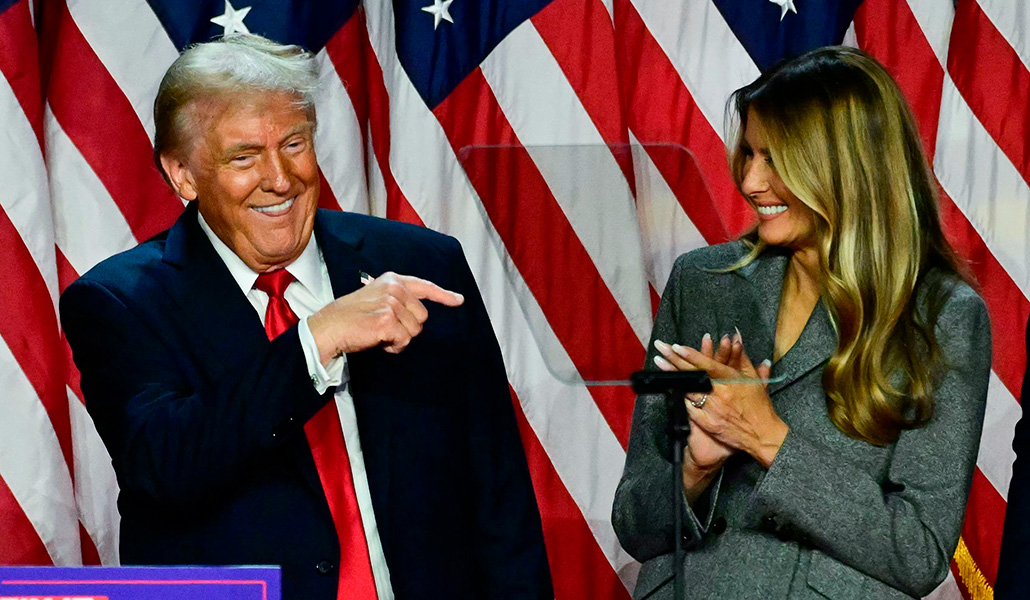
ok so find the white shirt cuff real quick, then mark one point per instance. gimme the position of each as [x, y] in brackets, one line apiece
[321, 377]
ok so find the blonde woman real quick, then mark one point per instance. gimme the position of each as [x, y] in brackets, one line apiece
[848, 478]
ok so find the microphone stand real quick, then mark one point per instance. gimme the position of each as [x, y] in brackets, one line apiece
[674, 386]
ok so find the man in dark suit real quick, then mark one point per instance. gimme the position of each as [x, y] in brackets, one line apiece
[1013, 580]
[361, 438]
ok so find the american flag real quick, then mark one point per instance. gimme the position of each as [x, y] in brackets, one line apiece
[445, 113]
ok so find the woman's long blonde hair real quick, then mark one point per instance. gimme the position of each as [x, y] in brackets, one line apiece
[844, 141]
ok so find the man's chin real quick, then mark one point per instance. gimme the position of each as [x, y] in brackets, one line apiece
[267, 258]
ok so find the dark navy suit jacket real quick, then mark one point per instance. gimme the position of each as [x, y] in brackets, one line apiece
[203, 417]
[1014, 565]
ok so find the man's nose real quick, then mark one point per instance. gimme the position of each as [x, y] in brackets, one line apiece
[276, 178]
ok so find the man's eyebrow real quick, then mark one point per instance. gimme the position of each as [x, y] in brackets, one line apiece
[301, 127]
[240, 148]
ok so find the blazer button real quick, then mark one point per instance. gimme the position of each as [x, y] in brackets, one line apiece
[718, 526]
[325, 567]
[768, 524]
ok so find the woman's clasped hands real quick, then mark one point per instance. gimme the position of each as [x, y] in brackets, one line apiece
[733, 416]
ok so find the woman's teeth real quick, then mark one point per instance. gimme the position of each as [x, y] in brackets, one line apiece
[772, 210]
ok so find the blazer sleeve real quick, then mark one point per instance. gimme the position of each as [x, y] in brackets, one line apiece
[175, 436]
[1012, 581]
[509, 550]
[643, 513]
[904, 530]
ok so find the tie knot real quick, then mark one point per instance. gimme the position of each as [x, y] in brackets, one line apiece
[274, 283]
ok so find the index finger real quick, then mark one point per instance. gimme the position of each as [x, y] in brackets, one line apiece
[427, 290]
[745, 365]
[714, 368]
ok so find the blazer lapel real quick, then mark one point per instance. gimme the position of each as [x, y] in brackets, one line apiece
[341, 250]
[818, 339]
[816, 344]
[207, 294]
[341, 247]
[765, 277]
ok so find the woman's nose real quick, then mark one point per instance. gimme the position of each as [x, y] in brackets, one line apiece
[755, 177]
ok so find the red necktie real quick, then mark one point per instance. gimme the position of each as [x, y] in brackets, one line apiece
[325, 436]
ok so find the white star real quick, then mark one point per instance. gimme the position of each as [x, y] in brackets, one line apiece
[440, 11]
[785, 5]
[232, 20]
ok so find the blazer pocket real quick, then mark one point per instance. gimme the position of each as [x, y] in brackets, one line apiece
[655, 574]
[834, 579]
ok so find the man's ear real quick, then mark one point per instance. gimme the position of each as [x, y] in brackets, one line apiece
[180, 175]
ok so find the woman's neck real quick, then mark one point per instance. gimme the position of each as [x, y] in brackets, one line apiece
[801, 289]
[804, 274]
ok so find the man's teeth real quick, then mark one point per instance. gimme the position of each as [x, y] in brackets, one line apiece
[772, 210]
[277, 208]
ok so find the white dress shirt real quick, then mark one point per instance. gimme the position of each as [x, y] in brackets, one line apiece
[311, 291]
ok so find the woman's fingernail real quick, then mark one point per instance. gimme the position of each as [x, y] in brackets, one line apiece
[766, 363]
[663, 364]
[679, 350]
[706, 337]
[738, 337]
[661, 346]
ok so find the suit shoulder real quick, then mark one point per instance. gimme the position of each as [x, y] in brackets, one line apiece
[960, 305]
[379, 228]
[717, 256]
[127, 267]
[962, 292]
[129, 278]
[710, 259]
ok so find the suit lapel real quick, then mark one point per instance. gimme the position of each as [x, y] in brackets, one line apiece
[341, 247]
[765, 277]
[816, 344]
[208, 295]
[818, 339]
[341, 250]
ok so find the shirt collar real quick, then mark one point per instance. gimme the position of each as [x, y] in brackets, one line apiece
[306, 268]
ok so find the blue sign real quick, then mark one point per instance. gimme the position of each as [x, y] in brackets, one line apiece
[140, 583]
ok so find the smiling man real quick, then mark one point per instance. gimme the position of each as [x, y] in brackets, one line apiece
[271, 391]
[253, 172]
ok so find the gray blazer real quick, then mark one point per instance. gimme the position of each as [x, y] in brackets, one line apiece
[833, 517]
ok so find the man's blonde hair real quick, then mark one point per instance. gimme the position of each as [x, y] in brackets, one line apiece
[233, 64]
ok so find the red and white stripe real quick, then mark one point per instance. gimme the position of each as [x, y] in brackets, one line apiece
[37, 505]
[566, 90]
